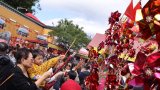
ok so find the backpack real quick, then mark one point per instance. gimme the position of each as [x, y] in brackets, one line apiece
[6, 68]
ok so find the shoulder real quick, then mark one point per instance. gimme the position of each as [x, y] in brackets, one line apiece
[17, 70]
[20, 81]
[17, 74]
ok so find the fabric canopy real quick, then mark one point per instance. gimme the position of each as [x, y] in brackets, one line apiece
[83, 51]
[97, 39]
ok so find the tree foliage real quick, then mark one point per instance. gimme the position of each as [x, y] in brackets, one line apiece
[24, 5]
[66, 32]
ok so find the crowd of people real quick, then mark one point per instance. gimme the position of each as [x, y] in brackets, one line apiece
[22, 68]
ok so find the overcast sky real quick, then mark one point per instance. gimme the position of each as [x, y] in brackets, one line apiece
[90, 14]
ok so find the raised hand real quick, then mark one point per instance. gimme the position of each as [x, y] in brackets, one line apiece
[61, 57]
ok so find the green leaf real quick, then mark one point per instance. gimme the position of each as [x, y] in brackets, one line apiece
[66, 32]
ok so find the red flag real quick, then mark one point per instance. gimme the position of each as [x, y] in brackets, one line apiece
[129, 11]
[138, 6]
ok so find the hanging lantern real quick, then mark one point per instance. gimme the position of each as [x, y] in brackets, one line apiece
[23, 31]
[41, 37]
[2, 23]
[6, 36]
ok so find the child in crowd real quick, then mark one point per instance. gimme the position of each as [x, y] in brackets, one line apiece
[39, 67]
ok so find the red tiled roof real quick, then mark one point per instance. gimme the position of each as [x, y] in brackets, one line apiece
[97, 39]
[33, 17]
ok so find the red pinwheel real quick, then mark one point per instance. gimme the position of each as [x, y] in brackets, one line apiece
[101, 45]
[147, 76]
[91, 81]
[114, 18]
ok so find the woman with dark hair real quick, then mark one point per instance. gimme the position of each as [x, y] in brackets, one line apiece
[20, 79]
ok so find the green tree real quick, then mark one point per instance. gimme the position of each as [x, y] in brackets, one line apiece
[66, 32]
[24, 5]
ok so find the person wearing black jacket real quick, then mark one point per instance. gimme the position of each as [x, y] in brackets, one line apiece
[6, 66]
[18, 79]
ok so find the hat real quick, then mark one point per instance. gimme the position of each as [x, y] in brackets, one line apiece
[70, 85]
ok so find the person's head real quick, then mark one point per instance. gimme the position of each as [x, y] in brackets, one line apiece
[3, 48]
[24, 57]
[37, 56]
[87, 67]
[68, 67]
[12, 50]
[18, 46]
[72, 75]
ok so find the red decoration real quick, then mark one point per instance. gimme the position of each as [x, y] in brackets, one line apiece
[92, 80]
[8, 21]
[120, 38]
[140, 61]
[101, 45]
[114, 18]
[129, 11]
[111, 82]
[132, 52]
[18, 25]
[92, 53]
